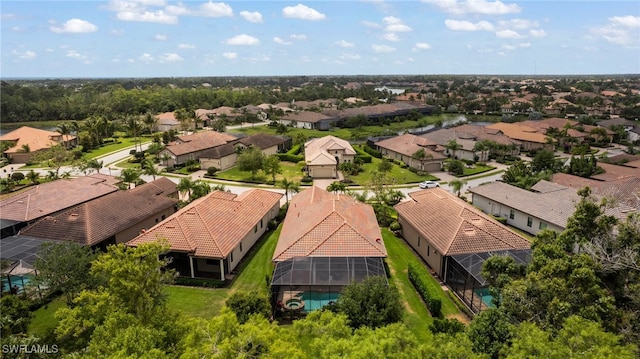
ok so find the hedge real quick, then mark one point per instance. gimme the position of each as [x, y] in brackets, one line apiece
[372, 152]
[289, 157]
[365, 158]
[419, 279]
[295, 149]
[199, 282]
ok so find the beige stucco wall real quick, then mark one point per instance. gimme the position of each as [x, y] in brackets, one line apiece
[412, 162]
[422, 246]
[133, 231]
[519, 218]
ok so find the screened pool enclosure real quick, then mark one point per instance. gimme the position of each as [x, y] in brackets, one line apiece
[464, 276]
[310, 283]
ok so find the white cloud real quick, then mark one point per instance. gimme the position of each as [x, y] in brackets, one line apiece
[281, 41]
[421, 46]
[383, 48]
[518, 24]
[463, 25]
[475, 7]
[243, 39]
[230, 55]
[344, 43]
[621, 30]
[390, 36]
[302, 12]
[169, 57]
[215, 9]
[372, 25]
[537, 33]
[508, 34]
[146, 58]
[158, 16]
[298, 37]
[509, 47]
[252, 16]
[627, 21]
[117, 32]
[178, 10]
[78, 56]
[74, 26]
[186, 46]
[160, 37]
[350, 57]
[24, 55]
[524, 44]
[395, 24]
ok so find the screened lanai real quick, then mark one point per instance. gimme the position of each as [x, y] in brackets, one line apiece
[309, 283]
[464, 276]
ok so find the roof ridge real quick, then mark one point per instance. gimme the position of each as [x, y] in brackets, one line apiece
[308, 231]
[184, 229]
[455, 233]
[213, 241]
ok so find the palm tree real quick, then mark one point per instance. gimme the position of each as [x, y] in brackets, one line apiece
[24, 148]
[129, 176]
[134, 127]
[456, 186]
[337, 186]
[185, 186]
[149, 121]
[149, 169]
[64, 129]
[453, 146]
[33, 177]
[289, 186]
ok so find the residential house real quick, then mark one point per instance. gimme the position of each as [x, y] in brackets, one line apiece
[225, 156]
[454, 238]
[624, 190]
[323, 155]
[105, 221]
[18, 210]
[631, 128]
[327, 242]
[417, 152]
[167, 121]
[27, 141]
[210, 236]
[308, 120]
[190, 147]
[529, 137]
[467, 143]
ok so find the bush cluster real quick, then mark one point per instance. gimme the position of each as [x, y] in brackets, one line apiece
[372, 152]
[418, 277]
[199, 282]
[289, 157]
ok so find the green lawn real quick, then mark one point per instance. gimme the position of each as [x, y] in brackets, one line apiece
[195, 301]
[290, 171]
[476, 170]
[417, 316]
[44, 321]
[398, 174]
[123, 142]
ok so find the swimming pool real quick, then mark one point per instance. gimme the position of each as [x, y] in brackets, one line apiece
[15, 280]
[317, 300]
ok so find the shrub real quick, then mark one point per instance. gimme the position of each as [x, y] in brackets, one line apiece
[245, 304]
[307, 178]
[199, 282]
[295, 149]
[17, 176]
[211, 171]
[418, 277]
[502, 220]
[290, 157]
[364, 158]
[372, 152]
[394, 226]
[446, 326]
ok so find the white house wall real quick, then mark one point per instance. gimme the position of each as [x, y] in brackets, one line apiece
[422, 246]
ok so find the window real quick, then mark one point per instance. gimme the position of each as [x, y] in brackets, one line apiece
[260, 223]
[428, 251]
[163, 217]
[255, 228]
[512, 214]
[542, 225]
[240, 246]
[156, 220]
[529, 221]
[419, 241]
[231, 256]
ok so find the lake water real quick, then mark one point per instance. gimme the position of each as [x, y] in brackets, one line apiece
[458, 120]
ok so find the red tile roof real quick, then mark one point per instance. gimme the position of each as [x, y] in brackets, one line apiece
[210, 227]
[95, 221]
[199, 141]
[51, 197]
[408, 144]
[454, 226]
[323, 224]
[35, 138]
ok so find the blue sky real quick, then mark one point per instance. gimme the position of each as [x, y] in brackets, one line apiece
[161, 38]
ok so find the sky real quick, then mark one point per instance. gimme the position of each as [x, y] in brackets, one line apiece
[162, 38]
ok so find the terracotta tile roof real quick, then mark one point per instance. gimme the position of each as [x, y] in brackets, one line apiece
[263, 140]
[455, 227]
[51, 197]
[167, 118]
[316, 151]
[35, 138]
[323, 224]
[210, 227]
[625, 157]
[408, 144]
[199, 141]
[614, 172]
[483, 133]
[95, 221]
[518, 132]
[161, 186]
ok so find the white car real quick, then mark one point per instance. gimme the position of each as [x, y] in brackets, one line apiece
[428, 184]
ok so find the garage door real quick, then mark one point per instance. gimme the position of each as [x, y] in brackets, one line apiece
[322, 173]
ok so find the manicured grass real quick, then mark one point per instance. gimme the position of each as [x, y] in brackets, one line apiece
[417, 316]
[290, 171]
[196, 302]
[123, 142]
[398, 174]
[476, 170]
[257, 266]
[44, 320]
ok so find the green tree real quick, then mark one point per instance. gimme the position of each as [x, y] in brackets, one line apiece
[130, 175]
[456, 167]
[54, 157]
[371, 303]
[289, 186]
[247, 303]
[64, 266]
[16, 315]
[271, 167]
[337, 187]
[452, 147]
[64, 129]
[456, 186]
[251, 160]
[200, 189]
[544, 161]
[149, 169]
[185, 186]
[489, 332]
[385, 165]
[33, 177]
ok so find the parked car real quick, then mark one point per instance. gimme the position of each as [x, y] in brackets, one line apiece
[429, 184]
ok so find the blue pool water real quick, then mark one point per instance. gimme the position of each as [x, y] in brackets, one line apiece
[316, 300]
[487, 298]
[15, 281]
